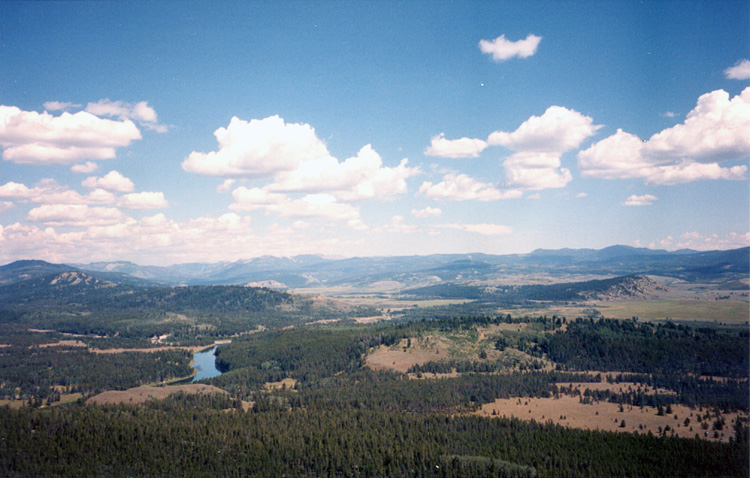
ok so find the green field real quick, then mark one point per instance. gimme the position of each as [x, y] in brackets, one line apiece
[720, 311]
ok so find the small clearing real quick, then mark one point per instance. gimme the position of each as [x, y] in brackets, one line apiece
[401, 358]
[605, 416]
[146, 392]
[64, 343]
[286, 384]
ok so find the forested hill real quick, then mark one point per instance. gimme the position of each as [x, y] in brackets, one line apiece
[722, 268]
[77, 302]
[617, 287]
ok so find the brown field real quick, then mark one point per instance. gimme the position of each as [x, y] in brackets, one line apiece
[568, 411]
[400, 358]
[146, 392]
[698, 310]
[64, 343]
[287, 383]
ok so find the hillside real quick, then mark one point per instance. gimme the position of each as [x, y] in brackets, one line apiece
[630, 287]
[715, 267]
[77, 302]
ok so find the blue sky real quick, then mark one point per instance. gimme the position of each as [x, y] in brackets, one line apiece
[167, 132]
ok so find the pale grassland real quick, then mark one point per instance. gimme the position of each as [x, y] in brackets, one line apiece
[733, 312]
[401, 358]
[472, 345]
[146, 392]
[287, 383]
[570, 412]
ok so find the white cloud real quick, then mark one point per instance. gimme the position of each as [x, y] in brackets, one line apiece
[6, 206]
[711, 242]
[539, 143]
[581, 195]
[309, 206]
[714, 131]
[360, 177]
[59, 105]
[143, 200]
[535, 171]
[85, 168]
[686, 171]
[258, 149]
[456, 148]
[48, 191]
[740, 71]
[558, 130]
[503, 49]
[427, 212]
[397, 226]
[112, 181]
[483, 229]
[140, 112]
[460, 187]
[297, 161]
[226, 186]
[644, 200]
[669, 114]
[159, 240]
[255, 198]
[29, 137]
[74, 215]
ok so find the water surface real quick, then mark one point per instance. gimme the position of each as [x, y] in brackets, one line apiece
[205, 363]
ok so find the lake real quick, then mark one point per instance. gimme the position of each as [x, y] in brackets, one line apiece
[205, 363]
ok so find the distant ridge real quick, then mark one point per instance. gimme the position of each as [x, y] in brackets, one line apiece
[401, 272]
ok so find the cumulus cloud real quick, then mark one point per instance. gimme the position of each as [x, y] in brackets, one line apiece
[503, 49]
[297, 161]
[455, 148]
[397, 226]
[28, 137]
[460, 187]
[140, 112]
[740, 71]
[644, 200]
[226, 186]
[157, 239]
[535, 171]
[59, 105]
[85, 168]
[309, 206]
[697, 241]
[427, 212]
[714, 131]
[540, 143]
[112, 181]
[483, 229]
[558, 130]
[143, 200]
[6, 206]
[258, 149]
[48, 191]
[74, 215]
[360, 177]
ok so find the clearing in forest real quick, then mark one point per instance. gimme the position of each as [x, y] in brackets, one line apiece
[146, 392]
[569, 411]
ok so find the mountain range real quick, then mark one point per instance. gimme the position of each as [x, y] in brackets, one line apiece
[728, 267]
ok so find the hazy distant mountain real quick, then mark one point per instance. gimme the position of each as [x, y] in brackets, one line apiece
[403, 272]
[20, 271]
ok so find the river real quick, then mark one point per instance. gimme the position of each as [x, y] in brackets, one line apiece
[205, 363]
